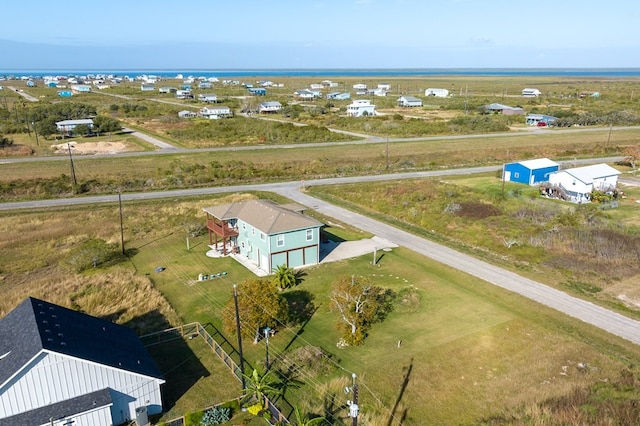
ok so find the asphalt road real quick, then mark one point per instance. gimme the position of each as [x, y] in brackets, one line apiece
[587, 312]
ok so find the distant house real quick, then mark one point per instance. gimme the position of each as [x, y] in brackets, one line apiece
[205, 85]
[187, 114]
[265, 233]
[147, 87]
[360, 86]
[51, 83]
[531, 93]
[316, 86]
[65, 93]
[186, 87]
[438, 93]
[578, 183]
[209, 98]
[329, 83]
[361, 108]
[339, 96]
[31, 83]
[540, 120]
[257, 91]
[409, 101]
[384, 86]
[530, 172]
[377, 92]
[496, 108]
[67, 127]
[304, 94]
[63, 367]
[184, 94]
[215, 112]
[269, 107]
[80, 88]
[166, 89]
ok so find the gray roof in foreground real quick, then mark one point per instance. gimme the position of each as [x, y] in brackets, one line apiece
[70, 407]
[36, 325]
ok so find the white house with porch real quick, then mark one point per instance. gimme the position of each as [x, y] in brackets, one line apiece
[269, 107]
[361, 107]
[578, 183]
[215, 112]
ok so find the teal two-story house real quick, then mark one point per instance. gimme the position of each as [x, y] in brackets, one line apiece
[265, 233]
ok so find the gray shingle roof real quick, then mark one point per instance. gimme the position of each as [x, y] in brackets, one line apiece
[264, 215]
[36, 325]
[67, 408]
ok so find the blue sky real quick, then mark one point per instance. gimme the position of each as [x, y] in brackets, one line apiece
[251, 34]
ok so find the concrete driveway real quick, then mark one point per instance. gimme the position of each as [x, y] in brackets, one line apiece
[332, 251]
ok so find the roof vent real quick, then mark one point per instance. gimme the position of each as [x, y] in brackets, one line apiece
[63, 343]
[50, 339]
[51, 308]
[60, 335]
[41, 312]
[47, 331]
[45, 322]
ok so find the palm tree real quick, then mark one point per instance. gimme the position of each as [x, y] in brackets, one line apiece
[259, 387]
[284, 277]
[300, 420]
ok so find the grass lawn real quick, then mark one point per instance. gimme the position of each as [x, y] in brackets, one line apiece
[468, 350]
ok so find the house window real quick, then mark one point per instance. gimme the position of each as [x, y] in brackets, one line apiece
[244, 225]
[309, 234]
[516, 175]
[253, 231]
[262, 236]
[280, 241]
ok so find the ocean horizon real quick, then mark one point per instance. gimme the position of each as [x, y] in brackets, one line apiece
[335, 72]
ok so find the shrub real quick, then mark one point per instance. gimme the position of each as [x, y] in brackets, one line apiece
[216, 416]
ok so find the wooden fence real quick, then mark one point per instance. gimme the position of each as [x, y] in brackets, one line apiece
[196, 329]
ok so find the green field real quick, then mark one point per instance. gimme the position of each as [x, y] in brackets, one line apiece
[455, 350]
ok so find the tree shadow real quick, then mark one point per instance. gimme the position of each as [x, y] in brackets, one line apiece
[301, 306]
[301, 309]
[331, 408]
[403, 388]
[142, 324]
[299, 276]
[180, 367]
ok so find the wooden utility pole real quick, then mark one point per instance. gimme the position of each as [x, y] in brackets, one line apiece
[235, 301]
[121, 223]
[73, 170]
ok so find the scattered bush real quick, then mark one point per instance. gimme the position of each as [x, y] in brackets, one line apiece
[216, 416]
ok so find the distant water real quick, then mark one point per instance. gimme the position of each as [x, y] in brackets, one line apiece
[333, 72]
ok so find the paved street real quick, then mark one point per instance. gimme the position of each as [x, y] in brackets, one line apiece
[587, 312]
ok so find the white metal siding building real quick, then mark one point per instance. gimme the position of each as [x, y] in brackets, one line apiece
[579, 182]
[438, 93]
[59, 366]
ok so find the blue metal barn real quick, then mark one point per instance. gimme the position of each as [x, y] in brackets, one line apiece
[530, 172]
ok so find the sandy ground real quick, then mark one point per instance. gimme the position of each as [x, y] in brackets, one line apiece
[90, 148]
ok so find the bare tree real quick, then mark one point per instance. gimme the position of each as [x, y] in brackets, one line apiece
[360, 304]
